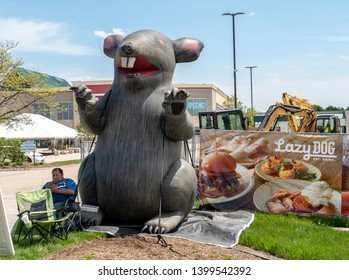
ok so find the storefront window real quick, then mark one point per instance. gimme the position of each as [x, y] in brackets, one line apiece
[65, 111]
[195, 105]
[42, 109]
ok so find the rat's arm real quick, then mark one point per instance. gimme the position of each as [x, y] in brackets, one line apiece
[91, 109]
[176, 121]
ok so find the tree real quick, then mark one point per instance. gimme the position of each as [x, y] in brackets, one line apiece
[334, 108]
[19, 88]
[318, 108]
[10, 150]
[247, 112]
[82, 133]
[229, 103]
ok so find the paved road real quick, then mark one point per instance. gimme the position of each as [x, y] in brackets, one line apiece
[27, 180]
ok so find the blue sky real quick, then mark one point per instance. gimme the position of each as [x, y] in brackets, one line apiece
[299, 47]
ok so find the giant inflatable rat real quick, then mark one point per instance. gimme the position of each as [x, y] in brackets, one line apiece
[136, 168]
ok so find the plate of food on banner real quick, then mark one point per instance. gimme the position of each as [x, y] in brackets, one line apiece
[277, 167]
[299, 197]
[246, 150]
[222, 179]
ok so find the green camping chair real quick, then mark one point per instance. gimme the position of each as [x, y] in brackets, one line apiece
[37, 217]
[72, 210]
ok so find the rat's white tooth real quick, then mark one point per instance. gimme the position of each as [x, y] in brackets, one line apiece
[123, 62]
[127, 61]
[130, 62]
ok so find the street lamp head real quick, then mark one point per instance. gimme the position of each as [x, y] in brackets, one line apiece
[232, 14]
[251, 67]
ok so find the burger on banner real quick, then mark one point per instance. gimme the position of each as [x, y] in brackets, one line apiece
[219, 176]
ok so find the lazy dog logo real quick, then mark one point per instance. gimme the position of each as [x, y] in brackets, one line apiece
[317, 150]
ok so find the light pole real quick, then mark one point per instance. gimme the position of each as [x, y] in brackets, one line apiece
[234, 71]
[251, 67]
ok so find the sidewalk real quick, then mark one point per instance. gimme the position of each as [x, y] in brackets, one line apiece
[53, 158]
[32, 179]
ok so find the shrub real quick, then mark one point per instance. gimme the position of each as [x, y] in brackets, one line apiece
[10, 149]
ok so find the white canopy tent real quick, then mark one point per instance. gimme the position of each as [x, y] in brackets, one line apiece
[37, 127]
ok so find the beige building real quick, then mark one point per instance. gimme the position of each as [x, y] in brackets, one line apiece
[63, 108]
[203, 97]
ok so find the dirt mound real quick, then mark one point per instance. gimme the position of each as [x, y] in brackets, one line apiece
[153, 248]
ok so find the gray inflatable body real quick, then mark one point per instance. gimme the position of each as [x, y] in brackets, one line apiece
[141, 124]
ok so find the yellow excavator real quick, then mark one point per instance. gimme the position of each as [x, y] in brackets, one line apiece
[296, 101]
[299, 112]
[300, 115]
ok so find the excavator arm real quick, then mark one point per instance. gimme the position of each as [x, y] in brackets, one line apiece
[296, 101]
[306, 118]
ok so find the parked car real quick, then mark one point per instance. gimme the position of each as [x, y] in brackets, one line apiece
[39, 157]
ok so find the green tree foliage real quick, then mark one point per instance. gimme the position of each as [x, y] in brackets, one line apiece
[229, 103]
[19, 88]
[318, 108]
[10, 149]
[334, 108]
[247, 112]
[82, 133]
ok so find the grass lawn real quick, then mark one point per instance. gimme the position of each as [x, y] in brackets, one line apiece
[24, 250]
[294, 237]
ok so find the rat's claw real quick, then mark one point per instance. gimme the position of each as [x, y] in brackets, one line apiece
[168, 94]
[182, 94]
[162, 230]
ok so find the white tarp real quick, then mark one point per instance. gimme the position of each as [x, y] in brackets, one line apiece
[37, 127]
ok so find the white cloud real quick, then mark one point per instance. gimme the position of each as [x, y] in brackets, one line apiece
[101, 34]
[336, 38]
[115, 31]
[344, 57]
[40, 36]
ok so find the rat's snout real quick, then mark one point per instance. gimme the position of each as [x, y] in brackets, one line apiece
[127, 49]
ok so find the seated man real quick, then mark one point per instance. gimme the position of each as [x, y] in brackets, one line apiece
[62, 188]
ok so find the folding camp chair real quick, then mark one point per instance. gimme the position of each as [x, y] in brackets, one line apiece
[72, 209]
[37, 217]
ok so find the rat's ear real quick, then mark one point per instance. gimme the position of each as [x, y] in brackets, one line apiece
[187, 49]
[111, 44]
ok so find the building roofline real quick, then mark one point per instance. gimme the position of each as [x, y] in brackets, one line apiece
[180, 85]
[204, 85]
[92, 82]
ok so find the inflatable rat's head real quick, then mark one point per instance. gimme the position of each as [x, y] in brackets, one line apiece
[147, 58]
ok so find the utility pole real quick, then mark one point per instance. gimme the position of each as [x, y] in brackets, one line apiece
[234, 53]
[251, 67]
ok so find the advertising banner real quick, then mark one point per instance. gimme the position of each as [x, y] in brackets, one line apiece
[275, 172]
